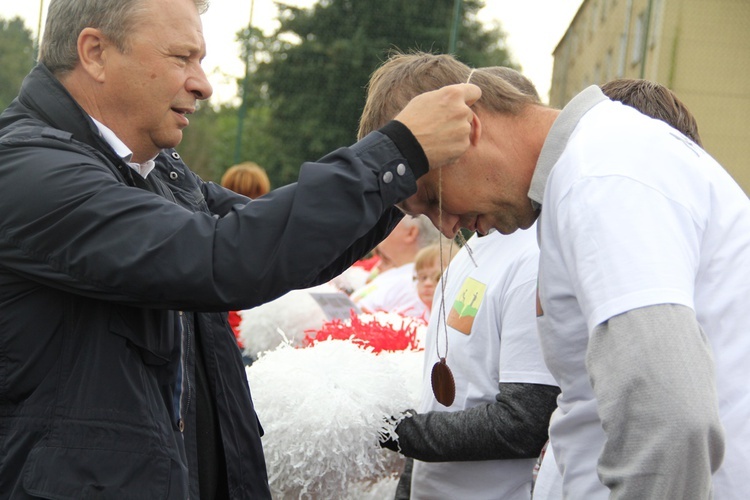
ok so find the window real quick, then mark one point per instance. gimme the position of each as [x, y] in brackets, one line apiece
[593, 19]
[655, 24]
[608, 66]
[639, 35]
[621, 61]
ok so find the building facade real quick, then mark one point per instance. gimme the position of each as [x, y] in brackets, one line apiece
[700, 49]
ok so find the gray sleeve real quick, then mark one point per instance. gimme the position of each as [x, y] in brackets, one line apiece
[514, 426]
[652, 371]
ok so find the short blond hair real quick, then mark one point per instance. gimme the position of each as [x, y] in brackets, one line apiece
[405, 76]
[431, 254]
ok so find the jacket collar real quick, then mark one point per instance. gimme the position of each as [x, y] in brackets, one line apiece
[44, 96]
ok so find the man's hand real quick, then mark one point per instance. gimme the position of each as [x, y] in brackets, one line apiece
[441, 121]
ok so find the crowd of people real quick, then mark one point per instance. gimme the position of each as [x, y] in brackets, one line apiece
[587, 342]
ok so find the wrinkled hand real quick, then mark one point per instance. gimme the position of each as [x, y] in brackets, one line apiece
[441, 121]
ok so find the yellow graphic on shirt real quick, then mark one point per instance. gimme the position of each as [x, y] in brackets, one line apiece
[466, 305]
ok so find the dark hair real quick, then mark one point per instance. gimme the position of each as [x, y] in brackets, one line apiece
[656, 101]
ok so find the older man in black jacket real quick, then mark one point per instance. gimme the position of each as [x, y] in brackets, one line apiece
[119, 377]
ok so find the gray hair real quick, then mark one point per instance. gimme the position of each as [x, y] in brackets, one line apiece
[67, 18]
[428, 233]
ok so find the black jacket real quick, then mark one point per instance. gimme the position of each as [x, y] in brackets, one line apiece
[109, 281]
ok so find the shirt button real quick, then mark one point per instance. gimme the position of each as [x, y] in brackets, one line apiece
[181, 425]
[387, 177]
[401, 169]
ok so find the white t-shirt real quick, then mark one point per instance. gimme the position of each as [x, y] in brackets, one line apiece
[392, 291]
[491, 338]
[634, 214]
[548, 485]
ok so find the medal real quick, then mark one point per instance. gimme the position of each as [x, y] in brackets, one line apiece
[443, 384]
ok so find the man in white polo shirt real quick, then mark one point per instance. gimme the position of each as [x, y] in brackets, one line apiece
[644, 278]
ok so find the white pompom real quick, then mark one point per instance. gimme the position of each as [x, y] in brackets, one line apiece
[352, 279]
[283, 320]
[323, 408]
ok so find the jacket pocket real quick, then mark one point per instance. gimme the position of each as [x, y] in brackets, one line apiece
[77, 473]
[152, 333]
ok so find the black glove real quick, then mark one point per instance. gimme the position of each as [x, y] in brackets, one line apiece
[389, 431]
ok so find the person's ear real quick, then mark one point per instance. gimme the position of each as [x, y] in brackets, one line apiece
[476, 130]
[412, 233]
[92, 52]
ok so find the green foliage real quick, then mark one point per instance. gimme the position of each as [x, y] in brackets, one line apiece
[16, 57]
[208, 144]
[316, 80]
[305, 87]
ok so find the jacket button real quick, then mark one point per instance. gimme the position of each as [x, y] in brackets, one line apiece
[175, 155]
[388, 177]
[401, 169]
[173, 175]
[181, 425]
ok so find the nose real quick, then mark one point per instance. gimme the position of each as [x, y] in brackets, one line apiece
[446, 223]
[198, 85]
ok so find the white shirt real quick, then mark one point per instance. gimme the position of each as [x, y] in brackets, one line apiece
[393, 290]
[122, 150]
[548, 485]
[634, 215]
[490, 310]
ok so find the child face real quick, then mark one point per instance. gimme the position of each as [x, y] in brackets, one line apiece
[427, 279]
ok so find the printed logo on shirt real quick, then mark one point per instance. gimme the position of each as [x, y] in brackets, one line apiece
[466, 305]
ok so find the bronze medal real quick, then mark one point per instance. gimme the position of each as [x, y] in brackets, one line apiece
[443, 384]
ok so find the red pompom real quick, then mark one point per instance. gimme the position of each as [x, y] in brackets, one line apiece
[369, 332]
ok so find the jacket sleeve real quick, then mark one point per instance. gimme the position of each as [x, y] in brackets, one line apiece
[72, 225]
[514, 426]
[220, 200]
[653, 375]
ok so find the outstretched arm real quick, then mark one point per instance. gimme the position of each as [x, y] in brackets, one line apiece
[514, 426]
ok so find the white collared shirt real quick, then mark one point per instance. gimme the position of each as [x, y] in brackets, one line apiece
[123, 151]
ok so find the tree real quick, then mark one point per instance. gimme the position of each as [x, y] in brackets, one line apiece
[209, 145]
[323, 56]
[16, 57]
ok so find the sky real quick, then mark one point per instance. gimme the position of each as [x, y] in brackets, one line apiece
[533, 29]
